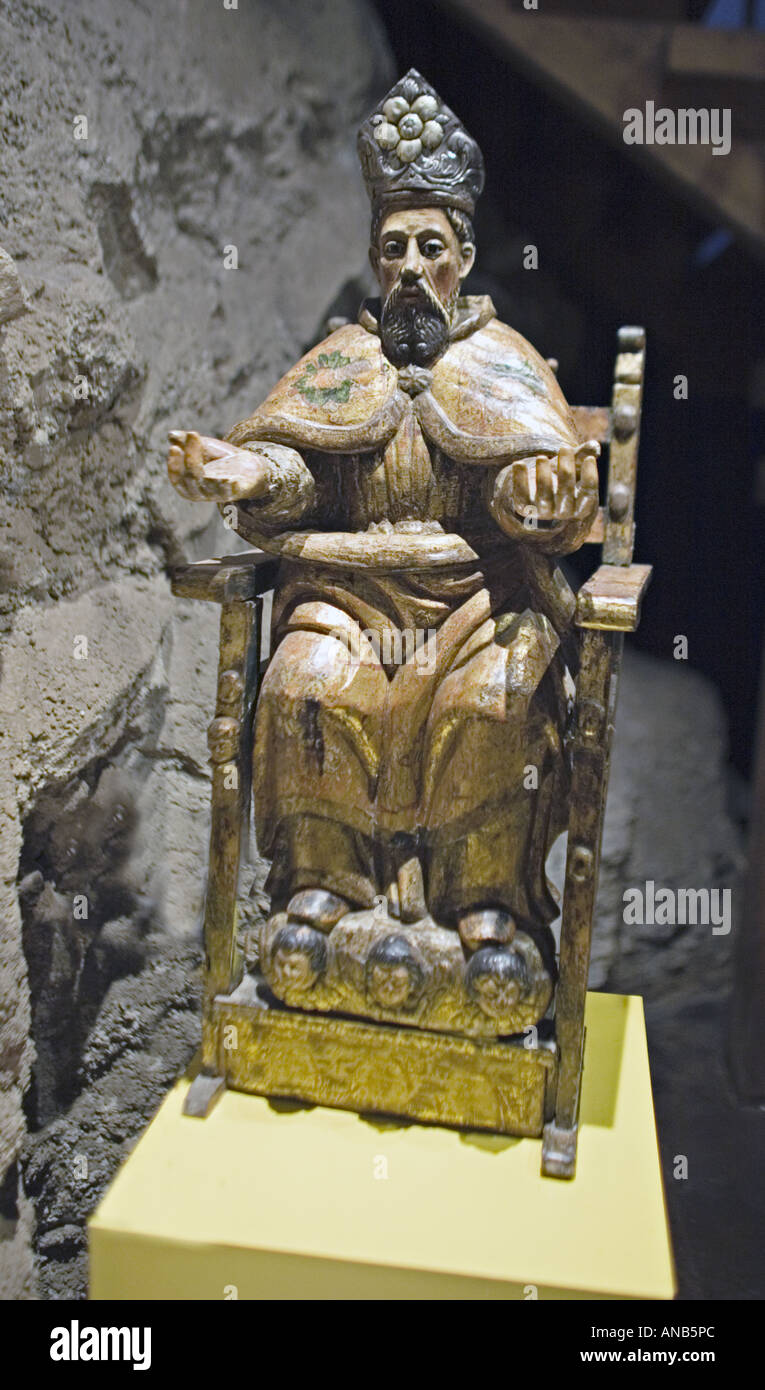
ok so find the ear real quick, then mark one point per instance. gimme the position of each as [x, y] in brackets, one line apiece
[468, 259]
[374, 260]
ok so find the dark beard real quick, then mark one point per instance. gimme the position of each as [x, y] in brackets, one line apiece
[413, 331]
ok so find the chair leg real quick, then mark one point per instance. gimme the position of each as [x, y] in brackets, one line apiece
[596, 695]
[559, 1151]
[203, 1094]
[230, 739]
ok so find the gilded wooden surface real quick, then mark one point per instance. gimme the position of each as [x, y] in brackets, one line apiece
[374, 1068]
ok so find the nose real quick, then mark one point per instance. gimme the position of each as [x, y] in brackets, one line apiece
[412, 267]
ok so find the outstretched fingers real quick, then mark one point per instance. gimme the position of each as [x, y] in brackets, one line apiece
[177, 469]
[521, 489]
[195, 456]
[590, 449]
[565, 501]
[545, 499]
[587, 499]
[189, 453]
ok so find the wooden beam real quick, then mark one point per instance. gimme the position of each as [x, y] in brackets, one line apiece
[603, 68]
[719, 69]
[697, 52]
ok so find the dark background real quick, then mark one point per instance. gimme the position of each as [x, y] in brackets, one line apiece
[618, 245]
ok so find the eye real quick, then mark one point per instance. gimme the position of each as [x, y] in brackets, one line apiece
[433, 248]
[393, 250]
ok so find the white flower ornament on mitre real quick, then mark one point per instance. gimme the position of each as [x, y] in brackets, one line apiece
[406, 129]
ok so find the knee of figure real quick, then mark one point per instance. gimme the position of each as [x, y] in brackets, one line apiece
[294, 660]
[521, 681]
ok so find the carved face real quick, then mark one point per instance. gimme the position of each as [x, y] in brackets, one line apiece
[293, 970]
[497, 980]
[496, 995]
[420, 244]
[390, 985]
[394, 973]
[420, 265]
[299, 958]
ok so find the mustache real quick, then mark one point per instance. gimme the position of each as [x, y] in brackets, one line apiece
[426, 292]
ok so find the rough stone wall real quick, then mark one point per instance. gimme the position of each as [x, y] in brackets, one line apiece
[206, 128]
[668, 820]
[139, 142]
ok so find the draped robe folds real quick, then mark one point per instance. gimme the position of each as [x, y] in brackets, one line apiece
[416, 701]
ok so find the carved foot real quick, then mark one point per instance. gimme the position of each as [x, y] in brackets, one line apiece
[316, 907]
[486, 926]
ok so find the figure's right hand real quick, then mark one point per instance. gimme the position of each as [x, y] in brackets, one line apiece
[209, 470]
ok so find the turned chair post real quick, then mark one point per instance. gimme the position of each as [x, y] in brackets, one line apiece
[608, 605]
[237, 582]
[239, 634]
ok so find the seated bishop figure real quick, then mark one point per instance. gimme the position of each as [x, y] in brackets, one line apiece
[419, 474]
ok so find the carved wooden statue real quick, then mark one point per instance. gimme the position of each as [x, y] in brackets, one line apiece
[416, 477]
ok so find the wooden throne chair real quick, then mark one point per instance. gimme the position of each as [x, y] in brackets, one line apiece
[525, 1085]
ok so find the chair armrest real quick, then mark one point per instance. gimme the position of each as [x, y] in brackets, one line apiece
[597, 531]
[234, 577]
[611, 598]
[593, 422]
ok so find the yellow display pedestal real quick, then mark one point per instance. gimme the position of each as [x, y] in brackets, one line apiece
[269, 1200]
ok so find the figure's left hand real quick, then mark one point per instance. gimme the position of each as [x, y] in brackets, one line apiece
[559, 489]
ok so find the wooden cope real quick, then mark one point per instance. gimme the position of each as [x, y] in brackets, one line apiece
[607, 606]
